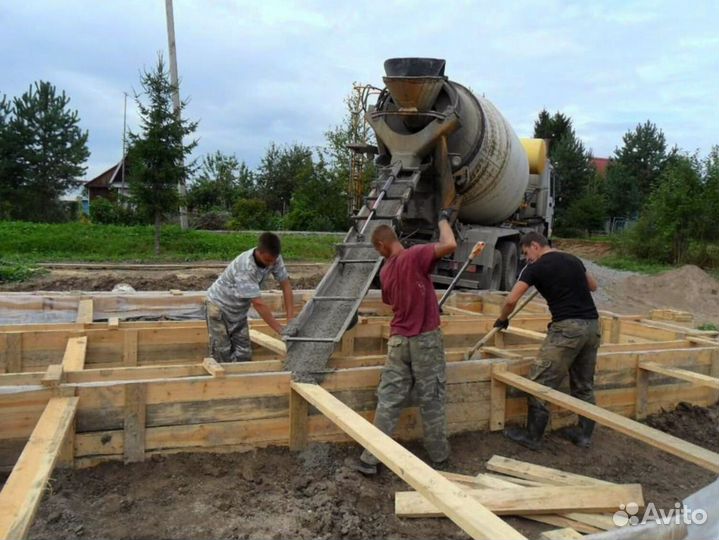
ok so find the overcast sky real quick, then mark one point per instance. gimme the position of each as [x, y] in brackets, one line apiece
[264, 70]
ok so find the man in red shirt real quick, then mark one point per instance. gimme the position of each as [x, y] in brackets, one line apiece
[415, 353]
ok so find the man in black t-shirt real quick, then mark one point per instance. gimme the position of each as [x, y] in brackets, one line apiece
[572, 339]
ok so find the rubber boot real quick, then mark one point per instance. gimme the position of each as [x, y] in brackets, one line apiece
[531, 437]
[581, 434]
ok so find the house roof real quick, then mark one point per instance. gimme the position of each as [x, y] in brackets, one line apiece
[108, 177]
[601, 164]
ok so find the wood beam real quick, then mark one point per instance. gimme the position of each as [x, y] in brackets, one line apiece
[674, 445]
[299, 421]
[74, 358]
[213, 367]
[530, 500]
[129, 348]
[539, 473]
[85, 312]
[135, 420]
[24, 488]
[275, 345]
[452, 500]
[565, 533]
[498, 399]
[697, 378]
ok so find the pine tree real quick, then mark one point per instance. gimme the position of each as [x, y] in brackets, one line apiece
[42, 152]
[157, 153]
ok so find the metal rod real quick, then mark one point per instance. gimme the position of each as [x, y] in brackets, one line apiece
[496, 329]
[476, 251]
[373, 211]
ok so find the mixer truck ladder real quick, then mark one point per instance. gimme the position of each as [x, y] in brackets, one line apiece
[324, 319]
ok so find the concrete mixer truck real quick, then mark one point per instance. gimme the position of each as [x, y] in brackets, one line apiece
[424, 120]
[431, 133]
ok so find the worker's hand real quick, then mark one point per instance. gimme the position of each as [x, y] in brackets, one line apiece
[501, 323]
[450, 212]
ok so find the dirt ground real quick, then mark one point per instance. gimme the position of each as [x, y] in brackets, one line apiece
[273, 493]
[303, 275]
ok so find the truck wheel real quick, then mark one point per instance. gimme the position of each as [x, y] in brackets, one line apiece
[496, 281]
[509, 265]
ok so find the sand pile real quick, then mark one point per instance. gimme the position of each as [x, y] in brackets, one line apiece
[687, 288]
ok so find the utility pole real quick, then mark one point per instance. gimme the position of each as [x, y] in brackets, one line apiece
[124, 141]
[176, 95]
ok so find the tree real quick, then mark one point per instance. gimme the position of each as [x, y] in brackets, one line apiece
[279, 173]
[552, 127]
[673, 214]
[220, 182]
[42, 152]
[635, 169]
[157, 153]
[318, 203]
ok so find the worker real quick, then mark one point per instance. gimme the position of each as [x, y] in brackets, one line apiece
[572, 340]
[238, 287]
[415, 352]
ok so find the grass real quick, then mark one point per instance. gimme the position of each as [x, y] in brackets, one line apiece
[621, 262]
[24, 243]
[15, 271]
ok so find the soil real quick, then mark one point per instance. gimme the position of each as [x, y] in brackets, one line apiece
[304, 276]
[273, 493]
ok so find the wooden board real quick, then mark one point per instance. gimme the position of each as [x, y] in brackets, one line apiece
[275, 345]
[74, 358]
[539, 473]
[674, 445]
[686, 375]
[213, 367]
[527, 501]
[84, 312]
[451, 500]
[24, 488]
[567, 533]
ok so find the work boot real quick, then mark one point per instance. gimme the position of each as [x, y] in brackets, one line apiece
[581, 434]
[368, 469]
[531, 437]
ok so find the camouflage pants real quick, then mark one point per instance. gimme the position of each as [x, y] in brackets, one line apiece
[418, 364]
[229, 339]
[570, 346]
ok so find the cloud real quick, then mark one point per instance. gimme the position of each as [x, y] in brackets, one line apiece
[279, 70]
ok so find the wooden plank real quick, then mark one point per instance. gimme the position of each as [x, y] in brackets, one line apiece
[558, 521]
[74, 358]
[84, 311]
[567, 533]
[24, 488]
[674, 445]
[642, 395]
[452, 500]
[498, 399]
[113, 323]
[528, 500]
[275, 345]
[683, 374]
[53, 375]
[521, 332]
[213, 367]
[13, 352]
[135, 420]
[615, 332]
[539, 473]
[129, 351]
[299, 421]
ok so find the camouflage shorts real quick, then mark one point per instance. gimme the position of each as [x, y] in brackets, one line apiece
[415, 366]
[229, 340]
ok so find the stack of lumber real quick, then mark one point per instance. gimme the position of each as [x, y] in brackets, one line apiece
[574, 503]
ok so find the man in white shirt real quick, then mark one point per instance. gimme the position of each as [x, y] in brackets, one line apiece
[238, 287]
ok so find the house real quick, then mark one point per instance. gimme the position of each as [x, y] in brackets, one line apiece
[109, 183]
[601, 164]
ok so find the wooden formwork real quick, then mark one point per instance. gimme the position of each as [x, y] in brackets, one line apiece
[126, 390]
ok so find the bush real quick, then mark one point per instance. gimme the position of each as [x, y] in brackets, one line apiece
[212, 220]
[106, 212]
[251, 214]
